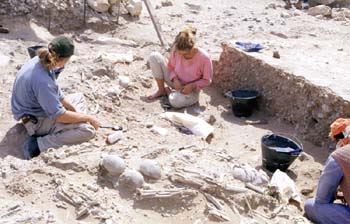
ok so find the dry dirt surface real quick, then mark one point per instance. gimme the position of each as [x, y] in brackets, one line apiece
[68, 185]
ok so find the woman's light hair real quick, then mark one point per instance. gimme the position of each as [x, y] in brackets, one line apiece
[186, 39]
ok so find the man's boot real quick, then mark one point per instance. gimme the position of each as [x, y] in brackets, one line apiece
[31, 148]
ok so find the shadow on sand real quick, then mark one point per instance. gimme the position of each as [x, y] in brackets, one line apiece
[11, 144]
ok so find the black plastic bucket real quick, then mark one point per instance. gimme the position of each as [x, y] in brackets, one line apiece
[243, 102]
[279, 152]
[32, 51]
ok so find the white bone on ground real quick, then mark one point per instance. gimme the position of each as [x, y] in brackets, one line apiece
[150, 168]
[114, 164]
[124, 81]
[131, 179]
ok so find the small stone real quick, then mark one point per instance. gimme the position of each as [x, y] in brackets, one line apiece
[114, 164]
[150, 168]
[320, 10]
[167, 3]
[99, 5]
[159, 130]
[134, 7]
[192, 6]
[303, 157]
[276, 54]
[124, 81]
[271, 6]
[147, 83]
[131, 180]
[285, 15]
[100, 72]
[4, 60]
[307, 191]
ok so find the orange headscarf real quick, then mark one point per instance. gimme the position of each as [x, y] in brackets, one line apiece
[337, 127]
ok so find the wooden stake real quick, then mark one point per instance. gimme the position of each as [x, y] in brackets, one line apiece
[155, 22]
[84, 12]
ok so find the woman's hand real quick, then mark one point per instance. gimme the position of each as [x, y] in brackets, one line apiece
[187, 89]
[177, 84]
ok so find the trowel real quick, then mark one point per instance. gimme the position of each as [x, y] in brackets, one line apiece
[113, 127]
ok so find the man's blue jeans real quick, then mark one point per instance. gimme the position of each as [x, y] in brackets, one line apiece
[322, 209]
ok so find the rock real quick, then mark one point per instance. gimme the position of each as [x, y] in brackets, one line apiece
[285, 15]
[193, 6]
[4, 60]
[346, 12]
[134, 7]
[159, 130]
[297, 13]
[306, 191]
[4, 30]
[276, 54]
[131, 180]
[113, 91]
[151, 169]
[341, 14]
[304, 157]
[115, 57]
[322, 2]
[167, 3]
[147, 83]
[271, 6]
[281, 35]
[124, 81]
[101, 72]
[99, 5]
[116, 41]
[113, 2]
[114, 165]
[115, 9]
[320, 10]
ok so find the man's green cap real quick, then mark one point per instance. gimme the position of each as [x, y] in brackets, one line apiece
[62, 46]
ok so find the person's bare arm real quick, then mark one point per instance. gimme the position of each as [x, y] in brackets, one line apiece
[70, 117]
[68, 105]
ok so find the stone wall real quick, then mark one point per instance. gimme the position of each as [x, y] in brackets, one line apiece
[292, 98]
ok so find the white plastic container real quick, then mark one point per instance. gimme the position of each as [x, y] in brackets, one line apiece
[113, 138]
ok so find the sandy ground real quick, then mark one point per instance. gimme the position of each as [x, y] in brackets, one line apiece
[311, 49]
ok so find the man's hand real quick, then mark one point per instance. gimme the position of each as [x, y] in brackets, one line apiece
[187, 89]
[177, 84]
[94, 122]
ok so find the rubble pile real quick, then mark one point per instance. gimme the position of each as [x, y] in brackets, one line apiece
[321, 9]
[64, 15]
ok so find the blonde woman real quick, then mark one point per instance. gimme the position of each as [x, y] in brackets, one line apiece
[188, 70]
[51, 119]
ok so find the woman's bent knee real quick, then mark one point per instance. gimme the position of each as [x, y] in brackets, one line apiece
[155, 57]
